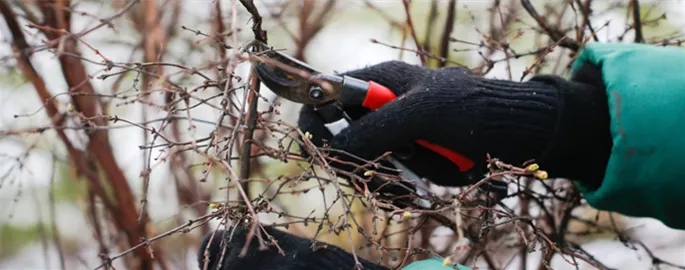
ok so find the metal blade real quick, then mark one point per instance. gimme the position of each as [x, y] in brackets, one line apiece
[288, 84]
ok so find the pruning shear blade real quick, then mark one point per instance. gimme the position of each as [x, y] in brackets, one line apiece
[297, 81]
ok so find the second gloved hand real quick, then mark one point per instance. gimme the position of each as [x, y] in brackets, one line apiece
[560, 123]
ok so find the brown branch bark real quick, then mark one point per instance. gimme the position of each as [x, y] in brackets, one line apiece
[256, 20]
[251, 119]
[250, 122]
[125, 213]
[84, 166]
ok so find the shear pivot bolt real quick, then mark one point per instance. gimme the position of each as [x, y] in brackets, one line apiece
[316, 93]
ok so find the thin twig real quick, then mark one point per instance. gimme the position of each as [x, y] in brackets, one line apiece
[635, 6]
[447, 32]
[412, 31]
[554, 33]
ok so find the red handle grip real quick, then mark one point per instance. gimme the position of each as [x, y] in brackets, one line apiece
[378, 95]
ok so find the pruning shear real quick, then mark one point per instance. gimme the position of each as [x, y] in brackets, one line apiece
[301, 83]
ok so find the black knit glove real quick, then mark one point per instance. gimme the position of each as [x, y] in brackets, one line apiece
[298, 253]
[562, 124]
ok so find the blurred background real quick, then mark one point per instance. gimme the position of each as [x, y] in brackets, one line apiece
[49, 217]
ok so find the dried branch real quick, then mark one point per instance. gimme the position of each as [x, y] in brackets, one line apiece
[585, 10]
[185, 228]
[447, 31]
[554, 33]
[78, 81]
[540, 58]
[250, 121]
[256, 20]
[430, 25]
[423, 53]
[412, 31]
[310, 25]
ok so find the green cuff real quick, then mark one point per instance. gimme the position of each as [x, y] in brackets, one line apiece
[433, 264]
[646, 93]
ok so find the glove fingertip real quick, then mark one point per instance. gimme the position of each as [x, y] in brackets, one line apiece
[209, 249]
[309, 121]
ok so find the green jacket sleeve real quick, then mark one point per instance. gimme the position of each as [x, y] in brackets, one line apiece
[645, 175]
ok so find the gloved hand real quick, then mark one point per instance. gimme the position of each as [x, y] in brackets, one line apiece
[298, 254]
[562, 124]
[566, 124]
